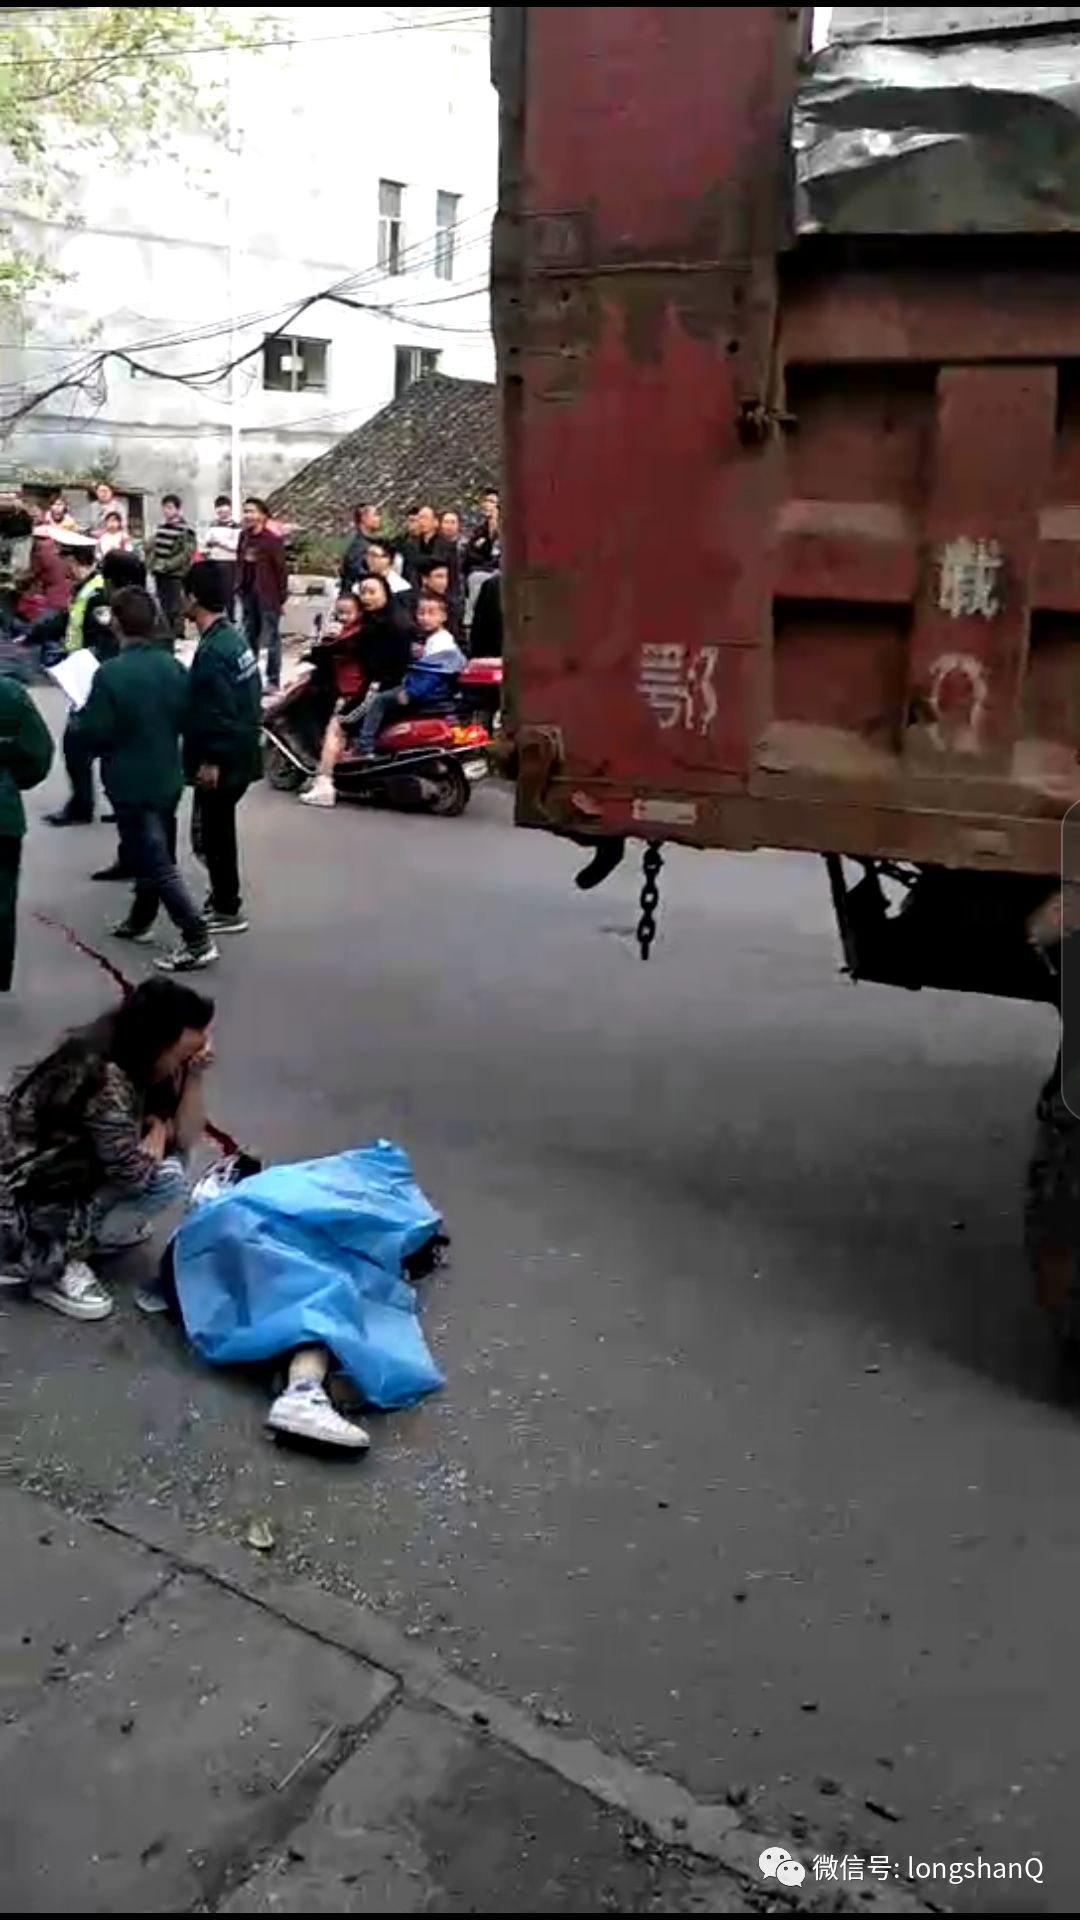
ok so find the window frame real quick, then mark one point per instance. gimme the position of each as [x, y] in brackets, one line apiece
[446, 233]
[293, 345]
[420, 361]
[390, 252]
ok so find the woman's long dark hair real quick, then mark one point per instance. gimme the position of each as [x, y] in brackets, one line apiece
[133, 1036]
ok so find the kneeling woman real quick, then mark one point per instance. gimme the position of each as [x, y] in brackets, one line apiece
[93, 1142]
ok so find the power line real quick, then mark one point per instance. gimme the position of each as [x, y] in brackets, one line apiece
[372, 274]
[203, 379]
[82, 371]
[121, 51]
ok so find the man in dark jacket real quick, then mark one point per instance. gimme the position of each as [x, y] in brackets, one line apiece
[263, 580]
[367, 521]
[222, 741]
[483, 548]
[26, 754]
[132, 722]
[423, 545]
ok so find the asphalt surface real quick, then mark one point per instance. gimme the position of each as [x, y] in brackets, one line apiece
[751, 1462]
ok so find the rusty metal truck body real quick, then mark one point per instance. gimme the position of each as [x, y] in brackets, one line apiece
[793, 523]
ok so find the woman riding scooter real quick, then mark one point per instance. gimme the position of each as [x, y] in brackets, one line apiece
[384, 642]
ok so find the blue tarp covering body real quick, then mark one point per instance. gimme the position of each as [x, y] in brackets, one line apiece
[313, 1252]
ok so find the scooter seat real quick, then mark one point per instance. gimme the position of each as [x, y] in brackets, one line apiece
[403, 734]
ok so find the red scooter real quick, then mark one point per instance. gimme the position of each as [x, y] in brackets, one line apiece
[429, 764]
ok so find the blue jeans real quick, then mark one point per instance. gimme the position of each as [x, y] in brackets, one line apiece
[379, 709]
[148, 850]
[117, 1216]
[263, 628]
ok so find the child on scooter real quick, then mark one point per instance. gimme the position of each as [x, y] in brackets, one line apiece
[437, 659]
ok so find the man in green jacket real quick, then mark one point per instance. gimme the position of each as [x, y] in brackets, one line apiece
[26, 754]
[132, 722]
[222, 740]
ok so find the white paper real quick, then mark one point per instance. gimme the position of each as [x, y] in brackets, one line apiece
[75, 676]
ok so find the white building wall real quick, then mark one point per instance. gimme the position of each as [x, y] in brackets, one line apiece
[365, 94]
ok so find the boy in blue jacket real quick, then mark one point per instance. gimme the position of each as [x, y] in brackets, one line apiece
[437, 661]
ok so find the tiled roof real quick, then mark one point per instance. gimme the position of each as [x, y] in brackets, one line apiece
[438, 443]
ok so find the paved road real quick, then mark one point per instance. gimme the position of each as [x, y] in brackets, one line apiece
[750, 1460]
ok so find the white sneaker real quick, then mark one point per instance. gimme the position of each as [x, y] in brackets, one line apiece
[321, 793]
[150, 1300]
[78, 1293]
[185, 959]
[304, 1410]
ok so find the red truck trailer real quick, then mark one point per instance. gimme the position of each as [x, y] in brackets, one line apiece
[793, 526]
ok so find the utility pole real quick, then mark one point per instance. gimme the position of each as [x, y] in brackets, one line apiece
[233, 170]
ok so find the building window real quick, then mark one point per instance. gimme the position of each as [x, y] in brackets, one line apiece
[391, 227]
[411, 363]
[446, 213]
[292, 365]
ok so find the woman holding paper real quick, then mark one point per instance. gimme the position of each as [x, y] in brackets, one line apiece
[26, 754]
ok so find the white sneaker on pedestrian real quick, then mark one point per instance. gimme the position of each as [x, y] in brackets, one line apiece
[78, 1293]
[321, 793]
[218, 923]
[185, 959]
[304, 1410]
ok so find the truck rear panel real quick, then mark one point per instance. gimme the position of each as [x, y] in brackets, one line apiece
[793, 533]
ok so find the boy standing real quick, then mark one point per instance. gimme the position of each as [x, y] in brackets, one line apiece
[172, 550]
[222, 544]
[222, 741]
[133, 720]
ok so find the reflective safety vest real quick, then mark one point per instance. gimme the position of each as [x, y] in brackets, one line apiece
[75, 637]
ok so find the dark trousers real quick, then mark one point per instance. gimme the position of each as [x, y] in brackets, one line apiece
[148, 850]
[10, 856]
[170, 593]
[262, 626]
[213, 841]
[79, 762]
[227, 571]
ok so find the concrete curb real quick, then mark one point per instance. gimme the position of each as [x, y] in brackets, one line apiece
[653, 1801]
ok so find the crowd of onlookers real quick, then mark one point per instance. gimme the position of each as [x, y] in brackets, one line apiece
[434, 553]
[52, 557]
[408, 610]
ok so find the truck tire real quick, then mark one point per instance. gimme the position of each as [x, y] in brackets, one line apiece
[1052, 1212]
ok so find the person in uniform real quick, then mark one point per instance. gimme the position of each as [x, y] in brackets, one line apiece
[26, 754]
[89, 624]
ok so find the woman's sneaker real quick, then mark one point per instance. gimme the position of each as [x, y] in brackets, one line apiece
[185, 959]
[305, 1412]
[321, 793]
[78, 1293]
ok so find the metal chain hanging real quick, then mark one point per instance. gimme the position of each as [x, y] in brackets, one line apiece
[650, 898]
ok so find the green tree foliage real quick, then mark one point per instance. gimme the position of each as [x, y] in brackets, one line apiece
[95, 86]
